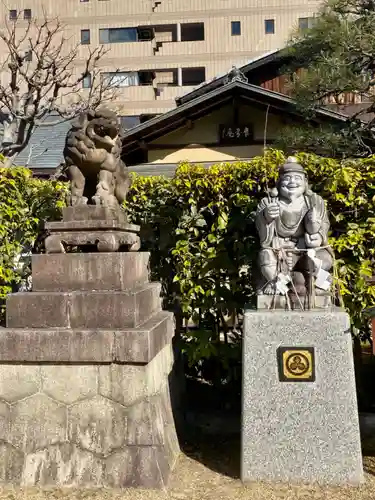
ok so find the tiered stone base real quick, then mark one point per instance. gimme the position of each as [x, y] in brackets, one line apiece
[86, 364]
[103, 228]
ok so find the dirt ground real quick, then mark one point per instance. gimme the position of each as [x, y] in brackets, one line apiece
[208, 469]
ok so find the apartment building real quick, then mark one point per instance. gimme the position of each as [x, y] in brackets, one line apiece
[165, 48]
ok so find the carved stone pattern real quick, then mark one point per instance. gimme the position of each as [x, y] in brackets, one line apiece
[80, 420]
[104, 240]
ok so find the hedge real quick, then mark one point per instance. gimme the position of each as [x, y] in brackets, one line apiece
[25, 202]
[199, 227]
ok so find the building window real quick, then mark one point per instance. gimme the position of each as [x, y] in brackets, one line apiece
[166, 77]
[130, 121]
[304, 23]
[28, 56]
[27, 14]
[145, 34]
[12, 15]
[236, 28]
[269, 26]
[84, 0]
[86, 82]
[128, 78]
[118, 35]
[85, 37]
[192, 32]
[193, 76]
[121, 79]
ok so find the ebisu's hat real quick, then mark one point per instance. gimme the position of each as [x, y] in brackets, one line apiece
[291, 165]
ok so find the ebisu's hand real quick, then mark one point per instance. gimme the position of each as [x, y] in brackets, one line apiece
[289, 260]
[272, 211]
[313, 240]
[312, 221]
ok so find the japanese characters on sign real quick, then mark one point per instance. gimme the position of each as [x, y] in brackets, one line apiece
[235, 134]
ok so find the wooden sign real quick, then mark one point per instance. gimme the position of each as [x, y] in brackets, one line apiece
[235, 134]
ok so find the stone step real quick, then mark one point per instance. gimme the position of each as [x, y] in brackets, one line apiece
[83, 309]
[63, 272]
[65, 345]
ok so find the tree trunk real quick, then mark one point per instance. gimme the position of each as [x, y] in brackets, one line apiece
[10, 132]
[9, 139]
[9, 160]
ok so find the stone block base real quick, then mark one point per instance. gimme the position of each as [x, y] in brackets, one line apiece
[89, 271]
[83, 309]
[87, 370]
[300, 417]
[90, 226]
[87, 425]
[64, 345]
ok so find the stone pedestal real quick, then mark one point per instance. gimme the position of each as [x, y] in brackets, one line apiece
[100, 228]
[300, 417]
[86, 366]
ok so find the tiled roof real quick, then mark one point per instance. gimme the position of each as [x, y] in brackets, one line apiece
[48, 141]
[46, 145]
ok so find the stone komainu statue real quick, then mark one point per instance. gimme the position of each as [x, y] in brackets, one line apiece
[93, 156]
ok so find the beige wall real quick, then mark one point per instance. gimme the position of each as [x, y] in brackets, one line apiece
[190, 141]
[216, 53]
[202, 154]
[74, 10]
[205, 130]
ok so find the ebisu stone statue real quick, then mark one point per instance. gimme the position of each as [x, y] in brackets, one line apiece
[92, 154]
[311, 348]
[292, 222]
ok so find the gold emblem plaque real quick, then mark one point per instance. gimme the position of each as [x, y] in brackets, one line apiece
[296, 364]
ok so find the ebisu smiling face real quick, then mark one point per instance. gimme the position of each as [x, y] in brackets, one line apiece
[292, 185]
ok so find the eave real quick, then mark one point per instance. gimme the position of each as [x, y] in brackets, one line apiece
[194, 109]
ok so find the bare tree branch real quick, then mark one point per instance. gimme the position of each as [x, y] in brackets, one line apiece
[39, 77]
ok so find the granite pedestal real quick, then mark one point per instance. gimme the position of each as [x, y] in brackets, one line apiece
[86, 367]
[300, 417]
